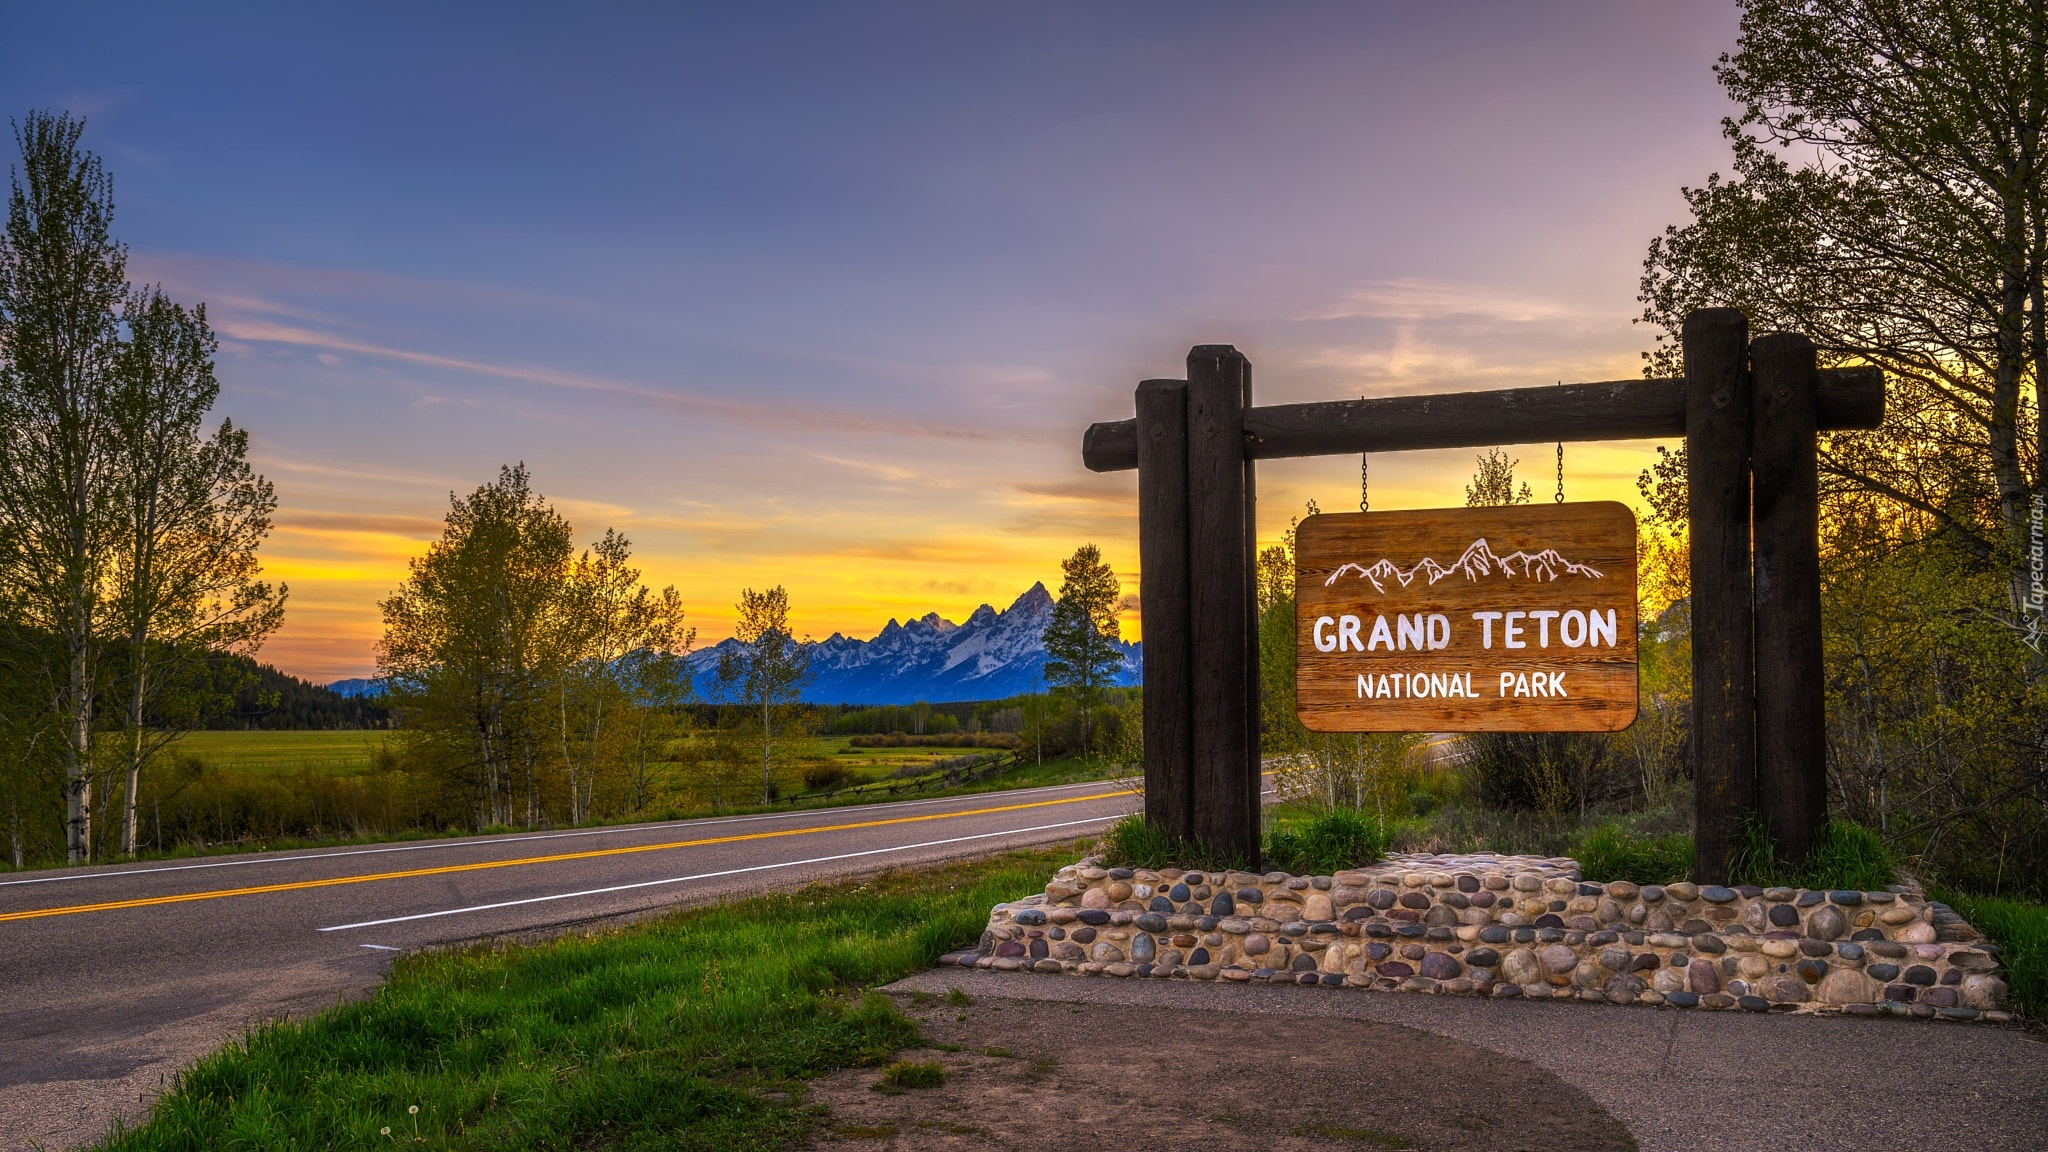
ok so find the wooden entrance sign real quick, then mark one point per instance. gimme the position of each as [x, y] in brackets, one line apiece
[1749, 413]
[1510, 619]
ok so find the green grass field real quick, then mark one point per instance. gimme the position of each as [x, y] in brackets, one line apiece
[342, 753]
[695, 1031]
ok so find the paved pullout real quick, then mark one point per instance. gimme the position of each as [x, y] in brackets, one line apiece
[1682, 1081]
[113, 978]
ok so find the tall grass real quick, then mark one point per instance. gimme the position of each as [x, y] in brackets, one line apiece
[1845, 855]
[2021, 929]
[691, 1032]
[1608, 852]
[1325, 842]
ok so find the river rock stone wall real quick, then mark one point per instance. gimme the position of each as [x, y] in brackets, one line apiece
[1506, 926]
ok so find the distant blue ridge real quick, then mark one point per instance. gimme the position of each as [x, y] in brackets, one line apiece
[993, 655]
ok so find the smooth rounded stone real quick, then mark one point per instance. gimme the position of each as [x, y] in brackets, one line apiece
[1903, 993]
[1235, 926]
[1094, 917]
[1413, 951]
[1222, 905]
[1415, 900]
[1684, 890]
[1659, 921]
[1097, 898]
[1919, 932]
[1550, 920]
[1846, 898]
[1970, 960]
[1846, 986]
[1317, 907]
[1780, 949]
[1826, 923]
[1068, 950]
[1668, 979]
[1183, 940]
[1927, 951]
[1238, 974]
[1440, 966]
[1107, 953]
[1507, 991]
[1811, 971]
[1624, 988]
[1180, 893]
[1983, 992]
[1144, 948]
[1717, 1000]
[1556, 959]
[1588, 974]
[1702, 977]
[1010, 948]
[1123, 918]
[1940, 997]
[1753, 967]
[1256, 944]
[1708, 942]
[1887, 949]
[1494, 882]
[1325, 883]
[1250, 896]
[1467, 882]
[1152, 922]
[1715, 894]
[1203, 892]
[1809, 899]
[1082, 935]
[1526, 882]
[1521, 966]
[1419, 984]
[1440, 916]
[1303, 962]
[1495, 935]
[1482, 958]
[1398, 969]
[1920, 974]
[1454, 900]
[1849, 951]
[1410, 930]
[1602, 939]
[1952, 976]
[1374, 950]
[1198, 957]
[1679, 960]
[1616, 959]
[1029, 917]
[1881, 971]
[1753, 1003]
[1816, 949]
[1780, 895]
[1783, 916]
[1159, 904]
[1382, 898]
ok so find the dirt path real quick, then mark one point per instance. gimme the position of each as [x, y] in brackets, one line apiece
[1441, 1072]
[1028, 1075]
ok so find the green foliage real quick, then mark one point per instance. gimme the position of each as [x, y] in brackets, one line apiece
[2021, 929]
[827, 776]
[1329, 842]
[1081, 658]
[1494, 483]
[1608, 851]
[1844, 855]
[691, 1032]
[1323, 843]
[913, 1074]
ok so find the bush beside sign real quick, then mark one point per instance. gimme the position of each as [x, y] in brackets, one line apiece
[1509, 619]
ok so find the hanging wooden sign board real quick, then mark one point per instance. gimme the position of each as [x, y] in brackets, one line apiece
[1508, 619]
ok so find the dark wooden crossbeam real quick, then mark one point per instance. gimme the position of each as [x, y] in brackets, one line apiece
[1614, 410]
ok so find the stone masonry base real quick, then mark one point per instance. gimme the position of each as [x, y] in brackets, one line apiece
[1506, 926]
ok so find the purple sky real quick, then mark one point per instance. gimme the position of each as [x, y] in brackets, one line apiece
[824, 296]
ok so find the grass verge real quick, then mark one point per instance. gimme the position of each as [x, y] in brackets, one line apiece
[2021, 929]
[1304, 843]
[695, 1031]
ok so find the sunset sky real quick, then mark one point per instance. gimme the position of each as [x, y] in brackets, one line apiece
[825, 295]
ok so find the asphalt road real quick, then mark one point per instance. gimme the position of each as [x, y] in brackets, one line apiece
[112, 978]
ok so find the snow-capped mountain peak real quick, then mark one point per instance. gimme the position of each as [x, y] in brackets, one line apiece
[995, 653]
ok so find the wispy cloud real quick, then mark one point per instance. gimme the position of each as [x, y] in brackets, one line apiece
[808, 416]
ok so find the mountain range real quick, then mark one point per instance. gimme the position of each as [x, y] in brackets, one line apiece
[991, 655]
[1478, 559]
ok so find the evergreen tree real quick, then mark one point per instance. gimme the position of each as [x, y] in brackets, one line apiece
[1080, 640]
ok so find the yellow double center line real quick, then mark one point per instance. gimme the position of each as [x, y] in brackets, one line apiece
[297, 885]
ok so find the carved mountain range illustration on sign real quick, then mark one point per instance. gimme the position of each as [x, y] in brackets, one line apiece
[1478, 559]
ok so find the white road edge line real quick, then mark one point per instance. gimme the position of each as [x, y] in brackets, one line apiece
[465, 842]
[712, 875]
[381, 947]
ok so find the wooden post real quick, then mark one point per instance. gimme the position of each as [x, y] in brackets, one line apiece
[1791, 748]
[1717, 439]
[1254, 686]
[1220, 747]
[1163, 597]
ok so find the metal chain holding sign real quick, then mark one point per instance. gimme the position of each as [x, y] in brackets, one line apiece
[1560, 463]
[1364, 500]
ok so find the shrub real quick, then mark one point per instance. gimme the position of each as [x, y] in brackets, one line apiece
[1611, 852]
[1134, 842]
[1844, 855]
[1330, 842]
[825, 777]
